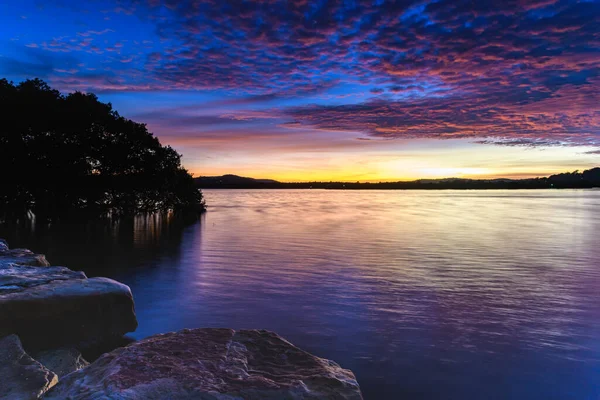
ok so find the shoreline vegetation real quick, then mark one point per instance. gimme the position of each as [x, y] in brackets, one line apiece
[570, 180]
[72, 155]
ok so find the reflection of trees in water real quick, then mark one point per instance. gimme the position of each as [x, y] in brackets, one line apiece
[105, 246]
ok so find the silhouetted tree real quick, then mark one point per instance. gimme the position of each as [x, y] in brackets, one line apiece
[63, 154]
[576, 179]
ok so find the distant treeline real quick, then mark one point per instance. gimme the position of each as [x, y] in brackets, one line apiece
[72, 155]
[586, 179]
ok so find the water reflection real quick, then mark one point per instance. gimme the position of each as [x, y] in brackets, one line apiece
[423, 294]
[102, 247]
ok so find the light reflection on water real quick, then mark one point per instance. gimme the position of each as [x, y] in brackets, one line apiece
[423, 294]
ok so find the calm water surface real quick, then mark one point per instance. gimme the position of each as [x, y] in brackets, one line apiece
[423, 294]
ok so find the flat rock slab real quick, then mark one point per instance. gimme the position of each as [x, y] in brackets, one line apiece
[49, 307]
[16, 278]
[21, 377]
[20, 257]
[209, 364]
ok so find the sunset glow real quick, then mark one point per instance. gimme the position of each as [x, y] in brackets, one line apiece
[351, 91]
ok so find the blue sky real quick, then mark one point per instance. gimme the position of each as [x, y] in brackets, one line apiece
[349, 90]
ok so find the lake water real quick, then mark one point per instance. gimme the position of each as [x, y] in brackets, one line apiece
[423, 294]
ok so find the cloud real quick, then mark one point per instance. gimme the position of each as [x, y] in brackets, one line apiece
[569, 116]
[512, 72]
[93, 32]
[280, 43]
[35, 63]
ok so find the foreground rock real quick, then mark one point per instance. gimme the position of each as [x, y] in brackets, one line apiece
[60, 309]
[16, 278]
[55, 306]
[209, 364]
[10, 257]
[61, 361]
[65, 312]
[21, 377]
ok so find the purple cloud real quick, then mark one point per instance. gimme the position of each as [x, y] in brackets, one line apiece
[510, 72]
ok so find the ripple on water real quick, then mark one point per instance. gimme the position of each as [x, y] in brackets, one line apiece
[423, 294]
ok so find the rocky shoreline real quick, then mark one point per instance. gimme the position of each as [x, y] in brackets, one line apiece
[50, 315]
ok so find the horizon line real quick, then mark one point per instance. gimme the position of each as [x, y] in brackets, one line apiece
[482, 177]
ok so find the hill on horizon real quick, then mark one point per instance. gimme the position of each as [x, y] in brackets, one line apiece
[586, 179]
[233, 179]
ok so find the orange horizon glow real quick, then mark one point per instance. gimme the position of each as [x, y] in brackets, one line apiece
[383, 161]
[441, 174]
[400, 179]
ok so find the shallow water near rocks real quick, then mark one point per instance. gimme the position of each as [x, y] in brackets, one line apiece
[422, 294]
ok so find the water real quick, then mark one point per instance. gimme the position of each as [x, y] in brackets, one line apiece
[423, 294]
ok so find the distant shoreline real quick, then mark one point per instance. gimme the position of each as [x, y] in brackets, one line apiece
[588, 179]
[390, 189]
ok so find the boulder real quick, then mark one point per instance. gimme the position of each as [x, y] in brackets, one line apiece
[68, 312]
[49, 307]
[209, 364]
[61, 361]
[21, 377]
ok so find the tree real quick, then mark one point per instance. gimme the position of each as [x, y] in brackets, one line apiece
[61, 155]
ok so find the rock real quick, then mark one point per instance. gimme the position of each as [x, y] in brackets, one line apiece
[61, 361]
[209, 364]
[20, 257]
[21, 377]
[93, 351]
[16, 278]
[68, 312]
[64, 305]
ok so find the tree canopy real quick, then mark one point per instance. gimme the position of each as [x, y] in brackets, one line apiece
[65, 154]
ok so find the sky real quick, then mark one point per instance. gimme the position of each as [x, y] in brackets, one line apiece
[331, 90]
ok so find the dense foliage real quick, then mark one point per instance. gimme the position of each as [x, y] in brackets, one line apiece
[63, 155]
